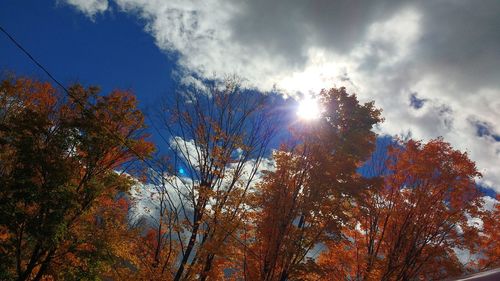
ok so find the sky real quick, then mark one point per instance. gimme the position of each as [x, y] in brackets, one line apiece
[432, 66]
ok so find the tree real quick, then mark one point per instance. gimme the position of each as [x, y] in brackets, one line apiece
[409, 227]
[100, 245]
[217, 138]
[306, 199]
[489, 249]
[57, 159]
[220, 209]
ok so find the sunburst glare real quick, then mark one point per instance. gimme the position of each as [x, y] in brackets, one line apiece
[308, 108]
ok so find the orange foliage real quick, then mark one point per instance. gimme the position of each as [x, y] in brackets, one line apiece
[57, 161]
[490, 241]
[306, 200]
[408, 228]
[64, 210]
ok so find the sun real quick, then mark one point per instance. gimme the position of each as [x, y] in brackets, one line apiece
[308, 108]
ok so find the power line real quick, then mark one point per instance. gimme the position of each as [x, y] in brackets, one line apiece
[77, 100]
[18, 45]
[112, 133]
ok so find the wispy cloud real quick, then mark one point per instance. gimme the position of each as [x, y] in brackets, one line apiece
[89, 7]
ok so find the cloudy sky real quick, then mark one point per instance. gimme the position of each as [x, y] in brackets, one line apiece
[432, 66]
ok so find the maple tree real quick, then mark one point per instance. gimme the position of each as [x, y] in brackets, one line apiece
[306, 199]
[489, 243]
[217, 139]
[409, 226]
[101, 244]
[57, 159]
[219, 205]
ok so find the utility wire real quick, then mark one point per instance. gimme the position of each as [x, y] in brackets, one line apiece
[86, 111]
[33, 59]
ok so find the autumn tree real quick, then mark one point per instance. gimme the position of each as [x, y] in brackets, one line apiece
[306, 199]
[216, 137]
[58, 158]
[409, 227]
[489, 243]
[101, 244]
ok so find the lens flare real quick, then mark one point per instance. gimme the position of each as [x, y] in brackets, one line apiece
[308, 109]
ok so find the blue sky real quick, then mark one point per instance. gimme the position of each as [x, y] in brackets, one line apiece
[113, 52]
[432, 66]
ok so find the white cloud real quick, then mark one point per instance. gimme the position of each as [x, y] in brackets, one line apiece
[146, 198]
[89, 7]
[177, 190]
[446, 52]
[489, 203]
